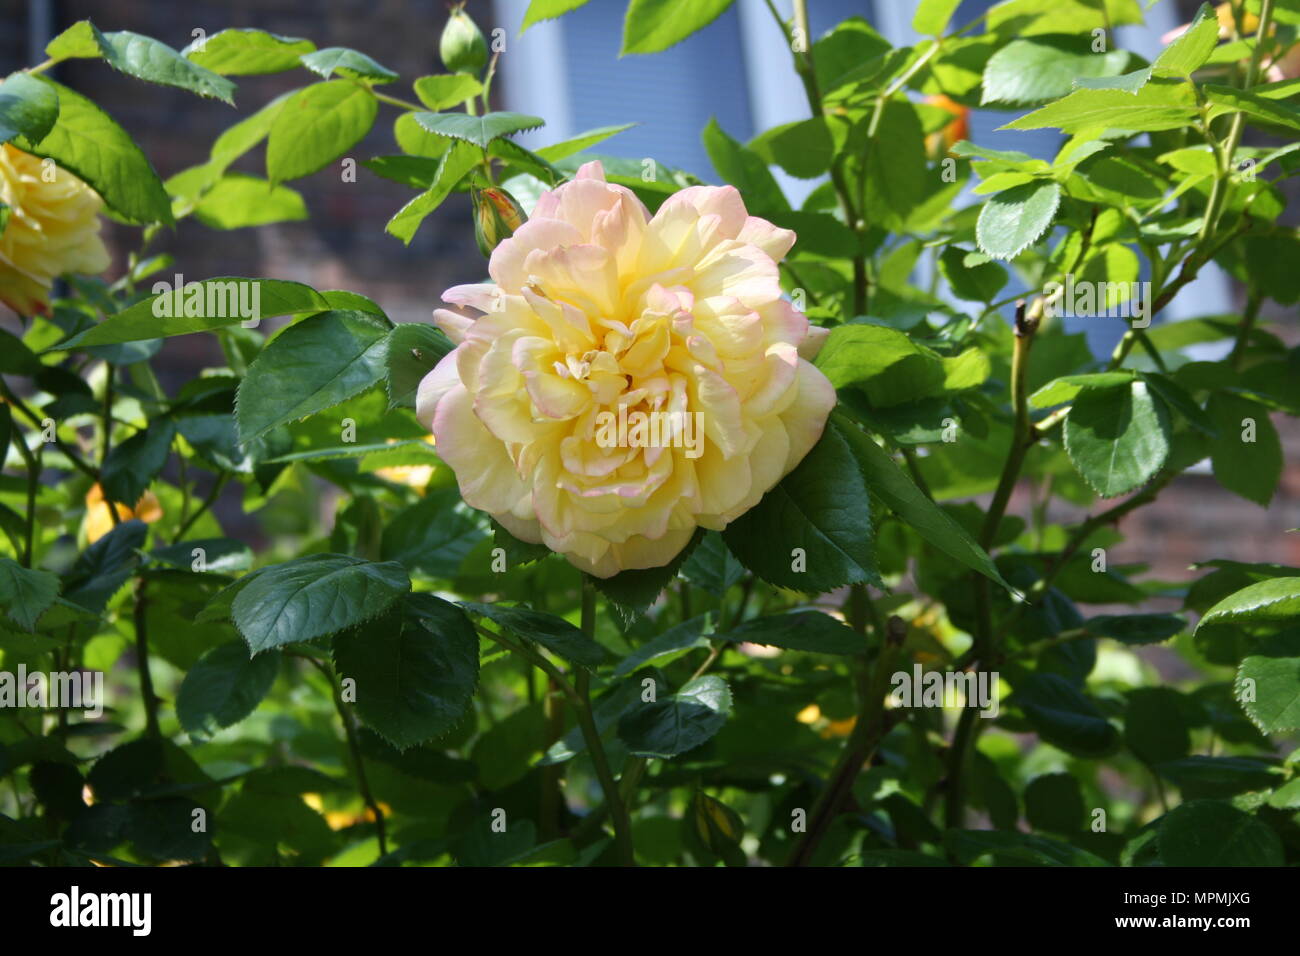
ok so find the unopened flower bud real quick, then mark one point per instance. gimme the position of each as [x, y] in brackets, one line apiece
[497, 215]
[462, 47]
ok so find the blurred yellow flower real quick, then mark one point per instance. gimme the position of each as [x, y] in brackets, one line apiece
[53, 230]
[99, 520]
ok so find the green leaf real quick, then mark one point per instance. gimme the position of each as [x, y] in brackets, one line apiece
[1068, 387]
[247, 52]
[213, 302]
[1268, 681]
[801, 631]
[1271, 602]
[317, 125]
[553, 633]
[1032, 17]
[412, 350]
[432, 536]
[452, 167]
[980, 282]
[932, 16]
[105, 566]
[1270, 112]
[539, 10]
[1247, 454]
[632, 591]
[1045, 68]
[712, 566]
[671, 644]
[88, 142]
[1025, 848]
[1012, 220]
[1063, 716]
[446, 90]
[223, 688]
[1181, 401]
[1189, 52]
[479, 130]
[1159, 105]
[1154, 726]
[1135, 628]
[220, 555]
[892, 369]
[237, 201]
[592, 137]
[804, 148]
[1117, 438]
[1128, 82]
[78, 41]
[744, 169]
[672, 725]
[309, 367]
[347, 63]
[1054, 801]
[813, 531]
[892, 485]
[155, 62]
[313, 596]
[896, 180]
[415, 670]
[1211, 833]
[25, 593]
[133, 465]
[28, 108]
[653, 25]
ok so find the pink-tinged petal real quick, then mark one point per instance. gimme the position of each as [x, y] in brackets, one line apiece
[508, 263]
[773, 240]
[441, 379]
[484, 471]
[805, 418]
[479, 295]
[454, 325]
[591, 170]
[812, 343]
[724, 202]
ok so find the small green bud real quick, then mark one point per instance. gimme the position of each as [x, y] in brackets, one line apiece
[497, 215]
[462, 47]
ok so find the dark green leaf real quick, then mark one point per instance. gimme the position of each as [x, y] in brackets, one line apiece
[415, 669]
[311, 366]
[223, 688]
[313, 596]
[675, 724]
[820, 514]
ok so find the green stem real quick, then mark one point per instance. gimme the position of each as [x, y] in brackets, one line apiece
[587, 722]
[984, 648]
[202, 509]
[868, 730]
[354, 748]
[140, 618]
[402, 104]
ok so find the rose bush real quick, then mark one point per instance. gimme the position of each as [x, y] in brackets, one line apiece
[858, 597]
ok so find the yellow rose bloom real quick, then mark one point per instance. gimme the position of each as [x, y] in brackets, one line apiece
[99, 520]
[632, 377]
[53, 230]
